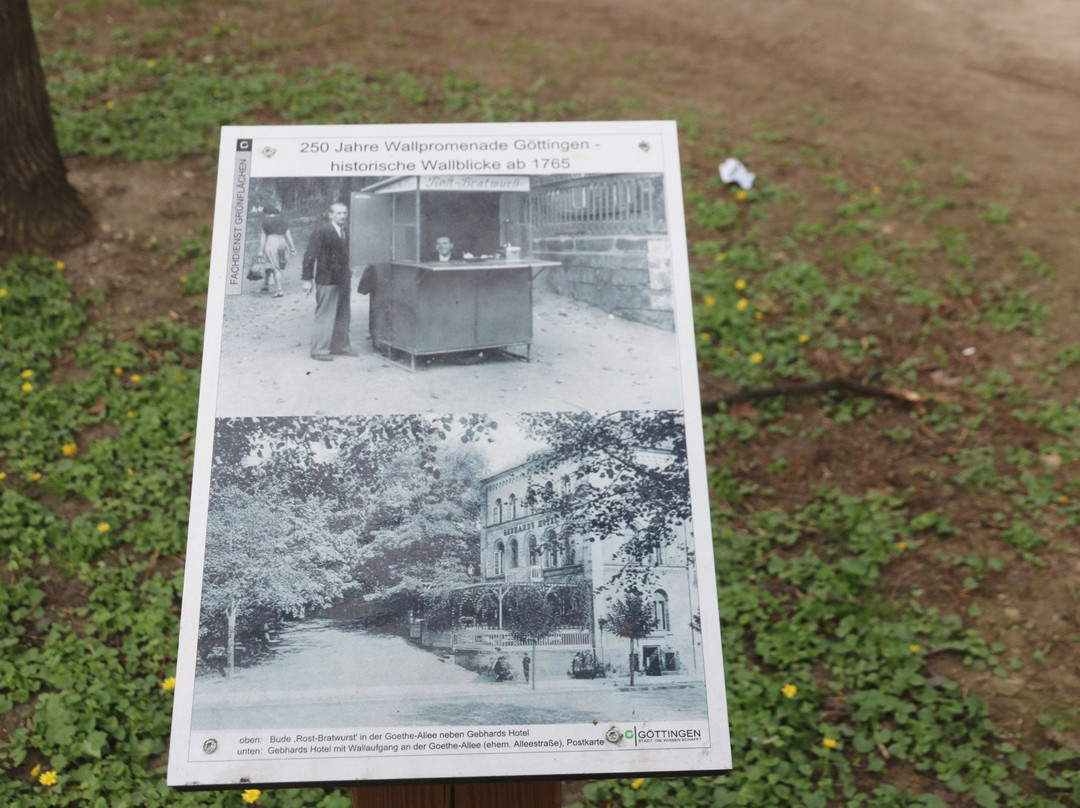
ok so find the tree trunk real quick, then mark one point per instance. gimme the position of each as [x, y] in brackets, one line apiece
[38, 207]
[532, 667]
[230, 616]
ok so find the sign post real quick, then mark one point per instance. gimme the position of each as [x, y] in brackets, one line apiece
[501, 794]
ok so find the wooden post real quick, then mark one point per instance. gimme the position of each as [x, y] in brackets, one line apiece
[496, 794]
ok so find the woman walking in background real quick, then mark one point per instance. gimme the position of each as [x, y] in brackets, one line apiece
[276, 244]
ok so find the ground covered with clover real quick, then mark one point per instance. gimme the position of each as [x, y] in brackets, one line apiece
[898, 563]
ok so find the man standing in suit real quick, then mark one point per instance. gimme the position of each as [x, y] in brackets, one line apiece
[326, 262]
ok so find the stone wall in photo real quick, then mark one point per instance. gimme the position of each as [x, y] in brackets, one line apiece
[628, 276]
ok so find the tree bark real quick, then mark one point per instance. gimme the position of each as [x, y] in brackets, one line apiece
[38, 206]
[230, 616]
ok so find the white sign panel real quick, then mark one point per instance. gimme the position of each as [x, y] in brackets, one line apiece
[449, 511]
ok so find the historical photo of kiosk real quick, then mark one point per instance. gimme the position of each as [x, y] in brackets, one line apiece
[449, 571]
[452, 293]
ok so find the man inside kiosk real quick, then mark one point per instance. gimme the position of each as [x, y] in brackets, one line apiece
[445, 250]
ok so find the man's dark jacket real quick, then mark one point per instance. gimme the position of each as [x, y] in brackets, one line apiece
[326, 259]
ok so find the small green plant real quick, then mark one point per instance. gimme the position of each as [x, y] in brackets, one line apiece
[996, 214]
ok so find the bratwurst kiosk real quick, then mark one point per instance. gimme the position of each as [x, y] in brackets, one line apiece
[479, 299]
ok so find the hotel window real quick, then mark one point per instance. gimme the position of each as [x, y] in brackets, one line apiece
[512, 507]
[660, 611]
[497, 559]
[551, 551]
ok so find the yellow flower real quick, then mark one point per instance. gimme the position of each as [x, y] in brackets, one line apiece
[3, 475]
[740, 284]
[3, 292]
[117, 371]
[721, 256]
[60, 265]
[901, 545]
[180, 378]
[804, 338]
[103, 527]
[828, 743]
[913, 648]
[876, 189]
[742, 304]
[759, 315]
[135, 378]
[70, 450]
[704, 335]
[741, 195]
[217, 29]
[169, 683]
[109, 105]
[709, 300]
[131, 472]
[34, 772]
[26, 387]
[183, 279]
[1063, 499]
[757, 357]
[26, 374]
[130, 414]
[35, 476]
[47, 778]
[250, 795]
[637, 783]
[789, 690]
[151, 62]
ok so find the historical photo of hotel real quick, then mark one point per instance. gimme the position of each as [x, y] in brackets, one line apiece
[420, 570]
[454, 293]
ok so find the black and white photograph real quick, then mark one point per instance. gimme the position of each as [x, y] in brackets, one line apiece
[452, 293]
[414, 570]
[449, 502]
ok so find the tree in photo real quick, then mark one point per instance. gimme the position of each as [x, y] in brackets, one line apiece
[422, 537]
[38, 206]
[305, 512]
[268, 558]
[627, 481]
[530, 618]
[312, 454]
[631, 618]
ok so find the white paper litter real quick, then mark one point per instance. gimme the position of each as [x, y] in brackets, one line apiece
[732, 170]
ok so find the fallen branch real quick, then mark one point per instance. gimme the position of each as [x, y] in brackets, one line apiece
[827, 386]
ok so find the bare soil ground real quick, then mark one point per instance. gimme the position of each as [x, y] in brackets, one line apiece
[992, 87]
